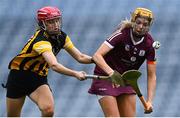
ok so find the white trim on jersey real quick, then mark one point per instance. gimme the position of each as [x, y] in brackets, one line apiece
[108, 44]
[114, 35]
[132, 39]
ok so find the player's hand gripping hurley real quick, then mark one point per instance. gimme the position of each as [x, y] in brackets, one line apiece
[130, 77]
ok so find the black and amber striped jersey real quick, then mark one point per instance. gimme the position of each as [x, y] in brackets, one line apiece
[30, 58]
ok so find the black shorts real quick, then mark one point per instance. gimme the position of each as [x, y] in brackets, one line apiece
[21, 83]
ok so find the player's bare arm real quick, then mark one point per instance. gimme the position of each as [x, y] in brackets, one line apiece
[80, 57]
[151, 73]
[54, 65]
[99, 60]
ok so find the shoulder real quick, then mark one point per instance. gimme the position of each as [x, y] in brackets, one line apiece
[41, 38]
[119, 33]
[67, 43]
[39, 35]
[126, 30]
[118, 37]
[63, 34]
[64, 37]
[149, 39]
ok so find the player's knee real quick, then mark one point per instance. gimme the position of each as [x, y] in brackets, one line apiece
[47, 110]
[13, 112]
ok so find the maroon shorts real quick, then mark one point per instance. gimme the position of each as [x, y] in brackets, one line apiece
[104, 87]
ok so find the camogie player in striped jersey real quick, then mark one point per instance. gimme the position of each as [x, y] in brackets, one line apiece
[29, 69]
[126, 49]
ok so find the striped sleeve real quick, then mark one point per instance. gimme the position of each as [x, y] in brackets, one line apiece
[114, 39]
[42, 46]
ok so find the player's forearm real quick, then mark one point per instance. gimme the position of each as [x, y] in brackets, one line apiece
[85, 59]
[99, 60]
[63, 70]
[151, 88]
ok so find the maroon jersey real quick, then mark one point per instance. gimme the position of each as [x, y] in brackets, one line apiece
[126, 54]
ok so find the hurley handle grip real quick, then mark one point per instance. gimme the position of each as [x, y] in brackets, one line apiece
[97, 77]
[143, 101]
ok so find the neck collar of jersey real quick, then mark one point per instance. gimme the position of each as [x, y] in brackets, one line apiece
[132, 39]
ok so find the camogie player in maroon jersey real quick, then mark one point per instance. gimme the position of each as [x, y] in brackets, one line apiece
[126, 49]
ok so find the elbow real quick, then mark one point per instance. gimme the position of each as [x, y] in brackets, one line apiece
[153, 77]
[95, 57]
[81, 58]
[54, 66]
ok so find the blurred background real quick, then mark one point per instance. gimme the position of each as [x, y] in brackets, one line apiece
[89, 23]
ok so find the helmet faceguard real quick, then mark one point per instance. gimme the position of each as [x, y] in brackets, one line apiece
[142, 12]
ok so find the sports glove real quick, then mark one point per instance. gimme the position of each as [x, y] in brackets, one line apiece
[117, 79]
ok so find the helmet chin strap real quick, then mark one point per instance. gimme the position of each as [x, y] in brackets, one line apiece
[45, 29]
[43, 26]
